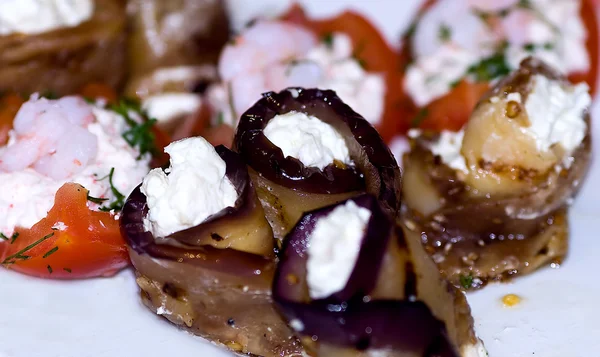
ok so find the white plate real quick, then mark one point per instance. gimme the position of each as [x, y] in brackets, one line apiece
[558, 316]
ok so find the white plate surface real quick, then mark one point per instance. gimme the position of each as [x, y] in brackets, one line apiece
[100, 318]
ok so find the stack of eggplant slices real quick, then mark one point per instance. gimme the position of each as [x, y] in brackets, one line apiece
[249, 179]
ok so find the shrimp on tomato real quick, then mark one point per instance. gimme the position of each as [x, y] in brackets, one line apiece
[65, 172]
[346, 54]
[458, 47]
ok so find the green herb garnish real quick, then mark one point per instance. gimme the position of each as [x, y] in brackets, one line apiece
[49, 94]
[20, 254]
[548, 46]
[68, 270]
[2, 236]
[530, 47]
[139, 135]
[445, 33]
[96, 200]
[466, 281]
[328, 40]
[14, 237]
[489, 68]
[119, 201]
[49, 269]
[50, 252]
[418, 119]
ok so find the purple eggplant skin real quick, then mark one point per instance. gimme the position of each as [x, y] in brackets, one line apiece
[362, 280]
[348, 318]
[178, 245]
[375, 170]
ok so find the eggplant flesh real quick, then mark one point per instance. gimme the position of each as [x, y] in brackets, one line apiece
[62, 61]
[287, 188]
[395, 303]
[213, 279]
[477, 235]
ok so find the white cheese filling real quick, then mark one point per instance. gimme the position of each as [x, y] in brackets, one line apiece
[38, 16]
[27, 195]
[168, 106]
[333, 249]
[308, 139]
[451, 37]
[447, 147]
[195, 188]
[556, 114]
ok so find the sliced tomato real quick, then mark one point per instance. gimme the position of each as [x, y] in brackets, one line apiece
[9, 106]
[370, 48]
[452, 111]
[72, 242]
[589, 15]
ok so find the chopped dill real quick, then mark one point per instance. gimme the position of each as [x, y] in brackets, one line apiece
[68, 270]
[138, 135]
[328, 40]
[96, 200]
[50, 252]
[119, 201]
[11, 259]
[466, 281]
[49, 269]
[419, 118]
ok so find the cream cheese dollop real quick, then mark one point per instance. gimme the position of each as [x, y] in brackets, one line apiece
[193, 188]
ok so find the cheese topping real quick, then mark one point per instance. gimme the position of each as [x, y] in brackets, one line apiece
[38, 16]
[333, 249]
[167, 106]
[447, 147]
[308, 139]
[27, 195]
[458, 39]
[556, 114]
[195, 188]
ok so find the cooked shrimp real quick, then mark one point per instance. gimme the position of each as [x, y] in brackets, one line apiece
[264, 44]
[50, 136]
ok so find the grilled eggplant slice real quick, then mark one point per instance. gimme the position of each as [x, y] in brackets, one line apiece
[505, 213]
[62, 61]
[394, 303]
[287, 188]
[213, 279]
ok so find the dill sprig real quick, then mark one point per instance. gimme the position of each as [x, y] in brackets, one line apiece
[50, 252]
[96, 200]
[119, 201]
[11, 238]
[11, 259]
[138, 135]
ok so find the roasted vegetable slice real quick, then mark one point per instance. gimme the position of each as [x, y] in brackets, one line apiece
[286, 187]
[213, 279]
[393, 303]
[524, 155]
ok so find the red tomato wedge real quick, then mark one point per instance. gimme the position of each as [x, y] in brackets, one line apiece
[452, 111]
[72, 242]
[370, 48]
[9, 106]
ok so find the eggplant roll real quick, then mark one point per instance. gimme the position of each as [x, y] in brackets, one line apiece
[213, 279]
[61, 61]
[495, 205]
[388, 299]
[168, 57]
[286, 187]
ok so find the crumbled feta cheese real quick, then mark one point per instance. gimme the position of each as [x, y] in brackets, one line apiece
[429, 78]
[333, 249]
[27, 195]
[167, 106]
[308, 139]
[448, 147]
[556, 114]
[194, 189]
[39, 16]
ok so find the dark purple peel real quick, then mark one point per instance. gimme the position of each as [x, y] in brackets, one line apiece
[196, 245]
[362, 279]
[376, 170]
[349, 318]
